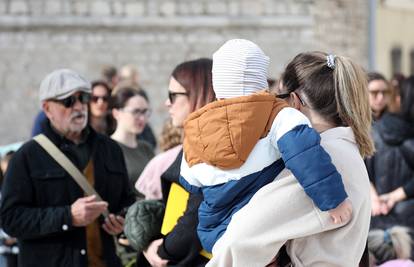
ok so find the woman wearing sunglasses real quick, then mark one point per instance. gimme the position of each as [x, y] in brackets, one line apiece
[190, 88]
[131, 112]
[99, 116]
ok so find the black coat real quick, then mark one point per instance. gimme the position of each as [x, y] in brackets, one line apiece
[181, 247]
[392, 166]
[38, 193]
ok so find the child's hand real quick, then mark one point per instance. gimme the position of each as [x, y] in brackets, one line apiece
[342, 213]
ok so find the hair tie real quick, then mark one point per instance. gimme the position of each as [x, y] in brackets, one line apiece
[330, 61]
[387, 236]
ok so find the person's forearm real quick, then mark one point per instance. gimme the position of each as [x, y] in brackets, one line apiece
[398, 194]
[374, 194]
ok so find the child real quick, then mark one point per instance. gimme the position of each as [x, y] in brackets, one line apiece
[238, 144]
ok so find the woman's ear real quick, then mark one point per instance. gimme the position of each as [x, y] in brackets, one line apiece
[115, 113]
[295, 101]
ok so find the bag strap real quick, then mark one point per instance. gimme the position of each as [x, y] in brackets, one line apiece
[66, 164]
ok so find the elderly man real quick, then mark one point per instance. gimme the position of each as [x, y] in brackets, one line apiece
[44, 207]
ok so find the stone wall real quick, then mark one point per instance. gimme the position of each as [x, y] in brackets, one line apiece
[38, 36]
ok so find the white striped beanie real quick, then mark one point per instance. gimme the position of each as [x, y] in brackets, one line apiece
[239, 69]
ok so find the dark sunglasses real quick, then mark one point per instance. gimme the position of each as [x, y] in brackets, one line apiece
[283, 96]
[70, 101]
[173, 95]
[96, 98]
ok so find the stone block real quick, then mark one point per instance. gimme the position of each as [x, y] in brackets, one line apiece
[3, 7]
[135, 9]
[52, 7]
[81, 7]
[19, 7]
[251, 8]
[197, 8]
[233, 8]
[183, 8]
[216, 7]
[100, 8]
[152, 7]
[118, 8]
[37, 7]
[167, 9]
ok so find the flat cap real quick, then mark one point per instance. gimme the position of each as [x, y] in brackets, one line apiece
[62, 83]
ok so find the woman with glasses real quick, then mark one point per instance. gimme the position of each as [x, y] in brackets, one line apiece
[99, 115]
[190, 88]
[380, 91]
[131, 111]
[391, 169]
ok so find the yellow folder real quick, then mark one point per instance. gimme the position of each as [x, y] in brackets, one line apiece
[176, 205]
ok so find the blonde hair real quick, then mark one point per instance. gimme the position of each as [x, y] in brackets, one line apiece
[171, 136]
[389, 244]
[337, 92]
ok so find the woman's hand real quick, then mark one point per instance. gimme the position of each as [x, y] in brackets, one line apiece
[342, 213]
[152, 256]
[392, 198]
[378, 207]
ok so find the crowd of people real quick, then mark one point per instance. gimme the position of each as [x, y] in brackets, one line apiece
[315, 168]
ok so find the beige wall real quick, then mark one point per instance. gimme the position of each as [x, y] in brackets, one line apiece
[394, 28]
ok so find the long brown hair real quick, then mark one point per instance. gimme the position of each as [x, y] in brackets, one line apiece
[338, 93]
[195, 77]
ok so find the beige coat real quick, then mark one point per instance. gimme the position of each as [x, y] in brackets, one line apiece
[281, 212]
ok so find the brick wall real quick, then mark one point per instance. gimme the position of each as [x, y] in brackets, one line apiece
[38, 36]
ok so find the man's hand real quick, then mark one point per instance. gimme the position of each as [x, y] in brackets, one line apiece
[152, 256]
[113, 225]
[342, 213]
[86, 209]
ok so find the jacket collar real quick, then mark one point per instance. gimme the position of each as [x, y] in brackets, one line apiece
[58, 139]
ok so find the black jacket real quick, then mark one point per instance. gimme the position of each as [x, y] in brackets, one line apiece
[392, 167]
[38, 192]
[181, 247]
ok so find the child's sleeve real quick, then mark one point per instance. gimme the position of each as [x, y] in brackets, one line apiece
[300, 148]
[188, 180]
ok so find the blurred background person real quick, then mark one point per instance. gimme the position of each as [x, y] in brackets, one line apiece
[131, 111]
[149, 183]
[8, 245]
[391, 169]
[100, 117]
[379, 94]
[110, 75]
[390, 247]
[190, 88]
[129, 73]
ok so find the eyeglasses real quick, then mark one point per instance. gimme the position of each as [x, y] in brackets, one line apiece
[375, 93]
[96, 98]
[146, 112]
[283, 96]
[70, 101]
[173, 95]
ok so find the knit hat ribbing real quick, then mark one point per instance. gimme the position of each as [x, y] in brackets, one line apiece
[239, 69]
